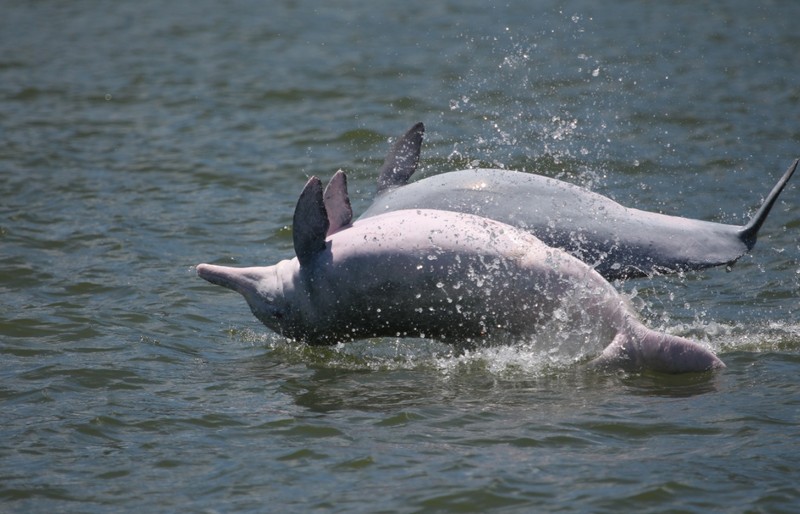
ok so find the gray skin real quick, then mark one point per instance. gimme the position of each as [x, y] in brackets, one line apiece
[449, 276]
[619, 242]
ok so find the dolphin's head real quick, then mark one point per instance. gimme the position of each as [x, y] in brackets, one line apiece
[277, 294]
[260, 286]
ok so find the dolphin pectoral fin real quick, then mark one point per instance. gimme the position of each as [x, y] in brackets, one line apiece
[749, 232]
[402, 159]
[655, 351]
[310, 223]
[337, 203]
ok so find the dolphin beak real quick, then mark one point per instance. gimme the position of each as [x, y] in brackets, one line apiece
[240, 280]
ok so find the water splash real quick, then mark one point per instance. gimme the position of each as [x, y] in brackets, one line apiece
[552, 351]
[530, 121]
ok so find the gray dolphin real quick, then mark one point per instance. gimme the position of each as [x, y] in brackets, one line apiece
[619, 242]
[444, 275]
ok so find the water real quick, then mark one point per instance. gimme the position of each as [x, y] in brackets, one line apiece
[142, 138]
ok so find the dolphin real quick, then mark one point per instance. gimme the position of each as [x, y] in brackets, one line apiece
[449, 276]
[619, 242]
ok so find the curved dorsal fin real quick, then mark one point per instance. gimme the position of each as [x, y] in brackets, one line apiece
[337, 203]
[310, 223]
[749, 232]
[402, 159]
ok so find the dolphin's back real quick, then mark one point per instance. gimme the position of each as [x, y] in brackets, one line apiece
[618, 241]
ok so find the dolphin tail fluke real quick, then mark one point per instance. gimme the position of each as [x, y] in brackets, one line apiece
[402, 159]
[749, 232]
[642, 348]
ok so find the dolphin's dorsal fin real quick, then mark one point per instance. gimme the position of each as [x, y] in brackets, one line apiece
[402, 159]
[310, 224]
[749, 232]
[337, 203]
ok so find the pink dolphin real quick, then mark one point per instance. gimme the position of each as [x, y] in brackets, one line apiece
[449, 276]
